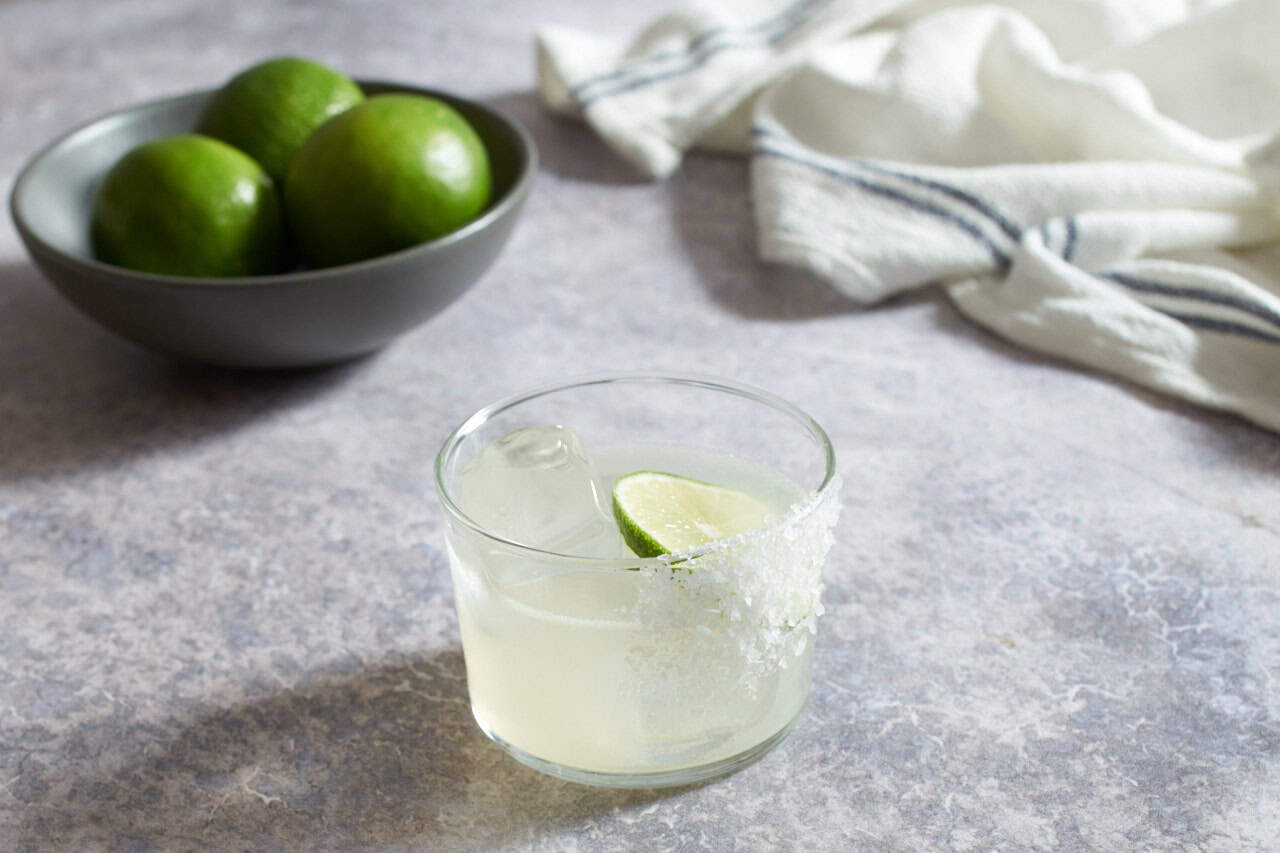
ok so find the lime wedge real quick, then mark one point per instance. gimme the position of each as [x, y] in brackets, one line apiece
[661, 513]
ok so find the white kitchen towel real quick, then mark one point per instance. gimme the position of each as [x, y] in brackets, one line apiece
[1096, 179]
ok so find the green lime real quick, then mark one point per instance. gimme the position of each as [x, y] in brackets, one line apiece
[269, 110]
[661, 513]
[387, 174]
[188, 205]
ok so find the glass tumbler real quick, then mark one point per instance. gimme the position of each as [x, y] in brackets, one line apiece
[615, 670]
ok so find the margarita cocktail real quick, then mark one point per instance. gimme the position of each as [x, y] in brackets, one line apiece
[637, 568]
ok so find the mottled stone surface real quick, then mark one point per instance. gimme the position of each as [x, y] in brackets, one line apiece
[225, 617]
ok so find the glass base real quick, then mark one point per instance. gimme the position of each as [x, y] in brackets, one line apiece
[660, 779]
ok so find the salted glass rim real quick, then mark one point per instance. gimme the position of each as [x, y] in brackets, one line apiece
[710, 383]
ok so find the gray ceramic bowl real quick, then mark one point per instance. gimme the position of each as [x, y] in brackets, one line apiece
[289, 320]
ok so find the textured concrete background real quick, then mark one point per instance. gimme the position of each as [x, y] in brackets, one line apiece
[225, 618]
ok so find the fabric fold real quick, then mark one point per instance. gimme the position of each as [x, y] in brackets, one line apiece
[1091, 209]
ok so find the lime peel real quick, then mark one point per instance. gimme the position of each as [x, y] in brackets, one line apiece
[660, 513]
[269, 110]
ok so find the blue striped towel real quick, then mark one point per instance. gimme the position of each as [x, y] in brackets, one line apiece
[1096, 179]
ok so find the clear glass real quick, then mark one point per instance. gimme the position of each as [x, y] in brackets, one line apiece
[631, 672]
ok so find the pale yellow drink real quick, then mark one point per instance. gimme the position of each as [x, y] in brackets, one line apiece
[637, 566]
[646, 671]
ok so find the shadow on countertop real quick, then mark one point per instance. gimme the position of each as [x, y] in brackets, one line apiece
[72, 395]
[386, 755]
[711, 204]
[566, 147]
[712, 208]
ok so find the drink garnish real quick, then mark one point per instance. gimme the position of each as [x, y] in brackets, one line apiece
[660, 513]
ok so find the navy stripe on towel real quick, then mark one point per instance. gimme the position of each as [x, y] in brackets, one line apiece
[1226, 327]
[1196, 294]
[998, 255]
[1043, 230]
[704, 46]
[1069, 250]
[985, 208]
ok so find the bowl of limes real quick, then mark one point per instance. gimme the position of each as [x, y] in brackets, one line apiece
[291, 217]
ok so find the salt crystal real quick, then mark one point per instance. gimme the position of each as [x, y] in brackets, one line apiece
[754, 599]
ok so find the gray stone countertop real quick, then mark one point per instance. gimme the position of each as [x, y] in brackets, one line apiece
[225, 617]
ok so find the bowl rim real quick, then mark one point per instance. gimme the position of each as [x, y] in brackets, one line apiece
[497, 210]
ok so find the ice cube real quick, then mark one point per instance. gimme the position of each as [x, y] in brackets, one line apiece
[537, 486]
